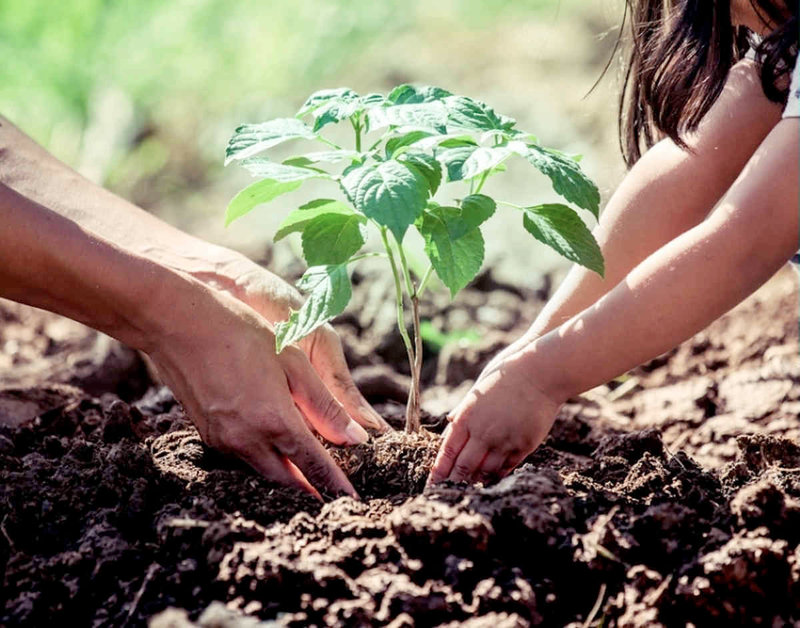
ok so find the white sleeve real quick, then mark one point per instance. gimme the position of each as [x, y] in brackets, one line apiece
[793, 104]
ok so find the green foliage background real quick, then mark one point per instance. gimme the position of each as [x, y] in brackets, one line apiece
[142, 96]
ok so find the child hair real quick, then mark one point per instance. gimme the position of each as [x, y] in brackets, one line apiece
[680, 54]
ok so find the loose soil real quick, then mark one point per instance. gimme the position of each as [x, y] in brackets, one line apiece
[666, 497]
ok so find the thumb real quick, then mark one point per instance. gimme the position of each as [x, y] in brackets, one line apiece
[327, 358]
[318, 405]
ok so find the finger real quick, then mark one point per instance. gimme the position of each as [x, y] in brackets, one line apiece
[489, 469]
[329, 362]
[512, 462]
[316, 464]
[468, 461]
[316, 402]
[454, 438]
[277, 468]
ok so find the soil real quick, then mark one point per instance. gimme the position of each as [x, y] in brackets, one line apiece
[667, 497]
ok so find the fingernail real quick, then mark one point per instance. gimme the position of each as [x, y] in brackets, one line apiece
[370, 416]
[375, 420]
[355, 434]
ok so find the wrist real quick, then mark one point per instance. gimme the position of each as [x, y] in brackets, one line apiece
[551, 375]
[145, 298]
[231, 272]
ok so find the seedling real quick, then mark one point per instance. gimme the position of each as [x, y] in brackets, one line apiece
[406, 145]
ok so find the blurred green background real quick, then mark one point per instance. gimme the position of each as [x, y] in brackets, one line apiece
[142, 96]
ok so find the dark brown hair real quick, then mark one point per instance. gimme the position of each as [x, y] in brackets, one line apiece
[680, 54]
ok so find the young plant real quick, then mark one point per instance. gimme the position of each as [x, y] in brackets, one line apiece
[406, 145]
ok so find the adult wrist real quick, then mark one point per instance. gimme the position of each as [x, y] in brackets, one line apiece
[147, 298]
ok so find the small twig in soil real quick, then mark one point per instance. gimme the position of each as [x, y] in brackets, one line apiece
[623, 389]
[597, 605]
[5, 533]
[187, 523]
[151, 571]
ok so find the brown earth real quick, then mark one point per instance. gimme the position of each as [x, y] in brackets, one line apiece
[667, 497]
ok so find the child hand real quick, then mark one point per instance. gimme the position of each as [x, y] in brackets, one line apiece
[502, 419]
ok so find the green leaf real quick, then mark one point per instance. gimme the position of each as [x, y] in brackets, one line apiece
[456, 140]
[482, 159]
[250, 139]
[475, 210]
[259, 192]
[328, 156]
[404, 141]
[453, 160]
[323, 97]
[428, 167]
[373, 100]
[410, 94]
[456, 261]
[567, 177]
[332, 105]
[560, 228]
[329, 291]
[278, 179]
[468, 162]
[473, 115]
[297, 220]
[332, 238]
[425, 116]
[336, 111]
[266, 169]
[391, 193]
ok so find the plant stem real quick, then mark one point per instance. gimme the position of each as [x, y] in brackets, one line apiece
[482, 181]
[412, 410]
[358, 258]
[424, 281]
[410, 289]
[507, 204]
[413, 420]
[328, 142]
[357, 129]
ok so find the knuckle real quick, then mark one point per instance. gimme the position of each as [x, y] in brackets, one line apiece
[461, 470]
[449, 451]
[346, 383]
[318, 471]
[294, 445]
[238, 435]
[332, 410]
[293, 359]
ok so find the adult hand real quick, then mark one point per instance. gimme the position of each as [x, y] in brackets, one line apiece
[502, 419]
[273, 298]
[218, 357]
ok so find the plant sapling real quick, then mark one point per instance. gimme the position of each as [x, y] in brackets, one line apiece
[420, 139]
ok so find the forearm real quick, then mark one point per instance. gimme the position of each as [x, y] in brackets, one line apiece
[36, 175]
[669, 191]
[50, 262]
[652, 206]
[686, 284]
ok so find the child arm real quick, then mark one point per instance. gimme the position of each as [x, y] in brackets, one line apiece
[666, 193]
[674, 293]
